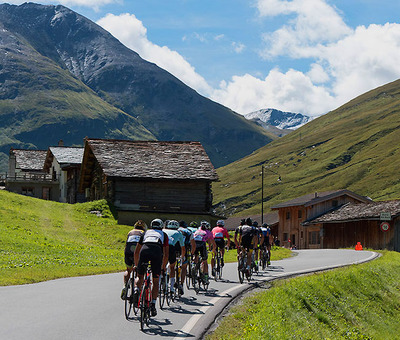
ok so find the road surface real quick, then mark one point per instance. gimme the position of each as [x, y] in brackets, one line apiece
[90, 307]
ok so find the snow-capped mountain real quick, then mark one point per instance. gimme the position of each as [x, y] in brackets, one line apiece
[278, 119]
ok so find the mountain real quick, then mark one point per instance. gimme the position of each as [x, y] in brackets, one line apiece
[354, 147]
[64, 77]
[278, 122]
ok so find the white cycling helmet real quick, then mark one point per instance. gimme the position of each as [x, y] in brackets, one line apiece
[204, 225]
[156, 224]
[172, 224]
[221, 223]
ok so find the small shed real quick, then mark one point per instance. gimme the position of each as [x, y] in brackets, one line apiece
[64, 163]
[26, 175]
[148, 179]
[375, 224]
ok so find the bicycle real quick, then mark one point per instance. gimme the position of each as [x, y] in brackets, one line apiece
[242, 266]
[218, 265]
[264, 258]
[188, 278]
[163, 290]
[178, 269]
[129, 301]
[145, 298]
[198, 278]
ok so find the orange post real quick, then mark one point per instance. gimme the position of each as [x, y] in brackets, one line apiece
[359, 246]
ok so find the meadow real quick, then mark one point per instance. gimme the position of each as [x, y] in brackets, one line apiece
[356, 302]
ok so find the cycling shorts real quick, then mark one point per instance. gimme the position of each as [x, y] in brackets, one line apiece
[220, 242]
[247, 242]
[172, 254]
[201, 249]
[129, 253]
[152, 253]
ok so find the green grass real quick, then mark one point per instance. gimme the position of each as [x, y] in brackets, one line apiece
[43, 240]
[357, 302]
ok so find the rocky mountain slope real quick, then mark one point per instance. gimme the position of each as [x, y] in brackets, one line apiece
[64, 77]
[354, 147]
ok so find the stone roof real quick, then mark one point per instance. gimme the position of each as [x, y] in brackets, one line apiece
[67, 155]
[152, 159]
[30, 160]
[319, 197]
[359, 211]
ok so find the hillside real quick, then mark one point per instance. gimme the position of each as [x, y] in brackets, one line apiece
[64, 77]
[43, 240]
[353, 147]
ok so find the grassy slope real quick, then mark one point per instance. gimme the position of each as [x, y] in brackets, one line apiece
[357, 302]
[42, 240]
[354, 147]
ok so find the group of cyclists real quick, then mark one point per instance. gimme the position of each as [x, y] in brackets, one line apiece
[163, 241]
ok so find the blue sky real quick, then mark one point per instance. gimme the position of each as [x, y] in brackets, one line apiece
[308, 56]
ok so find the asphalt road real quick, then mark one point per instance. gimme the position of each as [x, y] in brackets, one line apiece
[90, 307]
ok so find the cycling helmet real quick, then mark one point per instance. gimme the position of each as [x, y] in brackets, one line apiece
[204, 225]
[265, 225]
[255, 224]
[242, 221]
[140, 225]
[193, 224]
[183, 224]
[156, 224]
[249, 221]
[172, 224]
[221, 223]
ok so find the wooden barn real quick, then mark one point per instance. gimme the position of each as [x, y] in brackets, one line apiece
[149, 179]
[292, 215]
[375, 225]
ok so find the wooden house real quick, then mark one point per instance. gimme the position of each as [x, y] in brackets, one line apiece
[64, 163]
[149, 179]
[374, 224]
[293, 213]
[26, 175]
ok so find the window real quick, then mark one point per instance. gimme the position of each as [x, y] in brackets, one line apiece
[285, 237]
[300, 213]
[288, 215]
[46, 193]
[27, 191]
[314, 237]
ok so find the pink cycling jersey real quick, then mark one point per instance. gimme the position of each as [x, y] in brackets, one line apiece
[220, 232]
[202, 235]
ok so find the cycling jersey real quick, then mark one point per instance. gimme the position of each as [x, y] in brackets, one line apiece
[154, 236]
[130, 246]
[202, 235]
[187, 234]
[246, 230]
[174, 237]
[266, 232]
[220, 232]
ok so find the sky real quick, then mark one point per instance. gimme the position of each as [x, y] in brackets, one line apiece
[303, 56]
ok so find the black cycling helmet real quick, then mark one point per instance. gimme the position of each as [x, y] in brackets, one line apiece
[183, 224]
[242, 221]
[265, 225]
[249, 221]
[255, 224]
[156, 224]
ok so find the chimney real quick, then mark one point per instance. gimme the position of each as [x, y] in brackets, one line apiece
[60, 142]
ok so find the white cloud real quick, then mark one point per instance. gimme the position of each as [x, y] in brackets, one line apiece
[238, 47]
[290, 91]
[131, 32]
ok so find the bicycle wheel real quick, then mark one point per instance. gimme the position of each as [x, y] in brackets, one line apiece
[241, 269]
[129, 299]
[219, 267]
[188, 273]
[143, 302]
[196, 278]
[162, 291]
[167, 290]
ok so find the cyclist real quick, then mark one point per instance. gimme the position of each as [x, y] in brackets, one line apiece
[202, 236]
[190, 246]
[220, 233]
[152, 247]
[131, 241]
[193, 227]
[259, 241]
[176, 246]
[246, 237]
[265, 229]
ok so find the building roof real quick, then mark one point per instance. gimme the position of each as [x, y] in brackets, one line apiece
[149, 159]
[359, 211]
[30, 160]
[64, 155]
[319, 197]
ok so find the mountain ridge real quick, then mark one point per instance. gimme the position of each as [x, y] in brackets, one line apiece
[161, 106]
